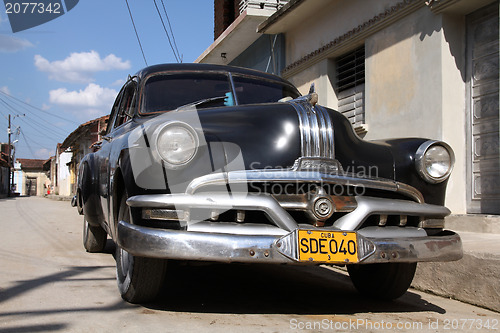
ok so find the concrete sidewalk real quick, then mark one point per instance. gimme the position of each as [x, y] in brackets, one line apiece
[475, 279]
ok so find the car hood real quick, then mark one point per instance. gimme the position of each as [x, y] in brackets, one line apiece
[277, 136]
[272, 136]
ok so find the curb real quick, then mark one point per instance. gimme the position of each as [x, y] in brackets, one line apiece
[475, 279]
[58, 197]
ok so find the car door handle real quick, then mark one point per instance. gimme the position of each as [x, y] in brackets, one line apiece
[107, 138]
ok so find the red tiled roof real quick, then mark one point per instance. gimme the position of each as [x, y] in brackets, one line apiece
[70, 139]
[31, 164]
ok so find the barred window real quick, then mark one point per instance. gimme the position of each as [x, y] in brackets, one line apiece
[351, 85]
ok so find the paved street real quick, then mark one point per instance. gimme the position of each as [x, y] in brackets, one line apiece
[48, 283]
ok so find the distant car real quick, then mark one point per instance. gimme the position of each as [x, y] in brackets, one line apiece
[218, 163]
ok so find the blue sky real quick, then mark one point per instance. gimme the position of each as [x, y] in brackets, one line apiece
[72, 67]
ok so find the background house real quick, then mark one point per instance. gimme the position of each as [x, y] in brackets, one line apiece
[4, 175]
[30, 177]
[394, 68]
[64, 165]
[237, 41]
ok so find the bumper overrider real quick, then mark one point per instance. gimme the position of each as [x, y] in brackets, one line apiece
[284, 241]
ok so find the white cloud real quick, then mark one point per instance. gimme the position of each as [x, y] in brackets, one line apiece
[44, 153]
[88, 103]
[93, 96]
[5, 89]
[118, 83]
[79, 67]
[10, 44]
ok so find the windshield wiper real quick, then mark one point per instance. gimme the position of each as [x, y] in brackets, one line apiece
[202, 101]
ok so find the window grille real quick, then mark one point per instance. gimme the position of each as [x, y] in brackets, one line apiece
[351, 85]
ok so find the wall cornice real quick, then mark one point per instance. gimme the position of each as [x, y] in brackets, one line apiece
[354, 37]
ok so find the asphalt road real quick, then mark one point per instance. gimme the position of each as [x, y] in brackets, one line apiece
[48, 283]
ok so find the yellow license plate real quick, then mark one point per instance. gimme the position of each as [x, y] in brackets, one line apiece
[327, 246]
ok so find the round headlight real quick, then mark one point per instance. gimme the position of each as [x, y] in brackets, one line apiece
[177, 144]
[434, 161]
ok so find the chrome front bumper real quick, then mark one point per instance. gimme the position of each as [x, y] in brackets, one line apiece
[226, 242]
[203, 246]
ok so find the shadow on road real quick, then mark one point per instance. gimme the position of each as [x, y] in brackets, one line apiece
[34, 328]
[22, 287]
[270, 289]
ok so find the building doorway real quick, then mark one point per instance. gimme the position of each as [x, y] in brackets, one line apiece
[31, 186]
[483, 153]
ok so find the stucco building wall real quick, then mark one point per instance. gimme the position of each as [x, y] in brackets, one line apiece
[415, 87]
[415, 76]
[63, 174]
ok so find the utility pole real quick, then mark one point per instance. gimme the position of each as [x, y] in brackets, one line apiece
[9, 159]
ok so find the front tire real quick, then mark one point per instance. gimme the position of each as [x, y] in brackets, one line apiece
[139, 279]
[94, 237]
[382, 281]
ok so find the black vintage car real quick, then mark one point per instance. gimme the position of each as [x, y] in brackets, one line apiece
[217, 163]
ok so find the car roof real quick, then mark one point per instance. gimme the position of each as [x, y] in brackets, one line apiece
[204, 67]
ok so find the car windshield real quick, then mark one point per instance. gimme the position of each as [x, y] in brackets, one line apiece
[167, 92]
[252, 90]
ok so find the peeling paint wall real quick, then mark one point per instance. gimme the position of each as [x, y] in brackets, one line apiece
[415, 87]
[403, 78]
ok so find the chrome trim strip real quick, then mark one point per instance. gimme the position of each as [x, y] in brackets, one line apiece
[305, 133]
[222, 201]
[310, 176]
[315, 144]
[233, 88]
[370, 206]
[316, 130]
[327, 132]
[188, 245]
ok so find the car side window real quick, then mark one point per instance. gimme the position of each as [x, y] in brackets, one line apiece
[127, 104]
[114, 112]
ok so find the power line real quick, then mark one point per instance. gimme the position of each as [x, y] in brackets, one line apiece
[171, 31]
[61, 131]
[29, 146]
[136, 34]
[166, 32]
[37, 108]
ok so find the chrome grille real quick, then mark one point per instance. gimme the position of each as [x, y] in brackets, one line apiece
[316, 130]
